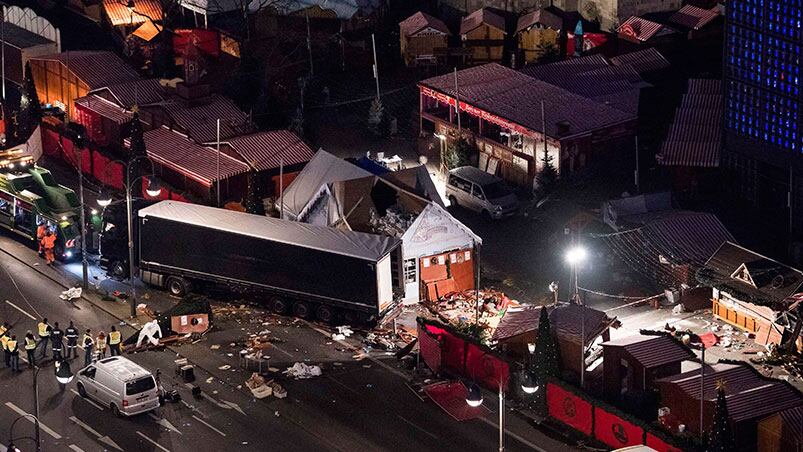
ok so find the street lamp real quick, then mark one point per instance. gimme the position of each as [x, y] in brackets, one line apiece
[575, 256]
[474, 397]
[528, 384]
[63, 376]
[442, 138]
[63, 373]
[105, 199]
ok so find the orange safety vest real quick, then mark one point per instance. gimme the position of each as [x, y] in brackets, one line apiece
[40, 231]
[49, 241]
[114, 337]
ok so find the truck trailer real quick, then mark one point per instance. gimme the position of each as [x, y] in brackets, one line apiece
[304, 269]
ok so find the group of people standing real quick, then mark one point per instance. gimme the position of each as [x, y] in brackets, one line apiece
[94, 347]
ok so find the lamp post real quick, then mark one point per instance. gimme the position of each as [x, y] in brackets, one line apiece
[105, 199]
[474, 399]
[575, 256]
[63, 376]
[442, 138]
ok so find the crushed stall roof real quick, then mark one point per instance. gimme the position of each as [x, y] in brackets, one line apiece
[354, 244]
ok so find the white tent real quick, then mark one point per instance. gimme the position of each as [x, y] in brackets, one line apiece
[323, 169]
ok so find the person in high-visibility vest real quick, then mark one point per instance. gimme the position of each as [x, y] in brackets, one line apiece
[114, 341]
[88, 345]
[100, 345]
[6, 354]
[41, 230]
[71, 333]
[49, 244]
[4, 327]
[57, 341]
[44, 336]
[15, 354]
[30, 348]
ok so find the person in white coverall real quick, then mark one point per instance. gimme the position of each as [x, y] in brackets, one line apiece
[150, 330]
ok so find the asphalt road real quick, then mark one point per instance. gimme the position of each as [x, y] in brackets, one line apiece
[355, 405]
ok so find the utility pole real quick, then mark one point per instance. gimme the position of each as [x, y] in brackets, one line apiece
[702, 388]
[309, 46]
[3, 49]
[84, 263]
[376, 65]
[281, 189]
[543, 131]
[457, 103]
[790, 201]
[636, 174]
[217, 184]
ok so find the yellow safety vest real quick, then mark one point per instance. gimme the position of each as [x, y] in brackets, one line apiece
[91, 342]
[43, 330]
[4, 340]
[114, 337]
[12, 346]
[30, 344]
[3, 330]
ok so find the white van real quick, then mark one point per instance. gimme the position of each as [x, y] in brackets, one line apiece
[481, 192]
[120, 384]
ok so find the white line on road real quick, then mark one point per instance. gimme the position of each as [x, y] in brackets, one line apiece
[87, 400]
[207, 424]
[85, 426]
[20, 309]
[76, 448]
[417, 427]
[513, 435]
[29, 417]
[164, 423]
[152, 441]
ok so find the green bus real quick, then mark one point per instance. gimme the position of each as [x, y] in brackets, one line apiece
[29, 196]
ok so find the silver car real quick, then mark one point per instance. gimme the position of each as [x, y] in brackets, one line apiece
[481, 192]
[120, 384]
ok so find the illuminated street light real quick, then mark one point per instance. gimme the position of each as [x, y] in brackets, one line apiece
[576, 255]
[474, 397]
[528, 384]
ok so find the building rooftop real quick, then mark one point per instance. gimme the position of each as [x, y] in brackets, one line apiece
[119, 14]
[695, 136]
[137, 92]
[96, 68]
[642, 29]
[199, 119]
[479, 17]
[421, 21]
[21, 38]
[565, 320]
[652, 350]
[693, 17]
[517, 97]
[540, 16]
[268, 150]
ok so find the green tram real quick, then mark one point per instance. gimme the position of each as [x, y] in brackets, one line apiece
[30, 196]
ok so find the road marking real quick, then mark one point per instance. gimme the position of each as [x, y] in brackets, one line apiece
[164, 423]
[76, 448]
[513, 435]
[417, 427]
[87, 399]
[152, 441]
[85, 426]
[20, 309]
[370, 358]
[29, 417]
[207, 424]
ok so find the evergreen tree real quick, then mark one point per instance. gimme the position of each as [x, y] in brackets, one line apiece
[548, 51]
[721, 436]
[30, 111]
[544, 361]
[548, 175]
[253, 200]
[459, 153]
[377, 118]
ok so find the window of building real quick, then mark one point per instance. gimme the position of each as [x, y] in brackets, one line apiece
[409, 271]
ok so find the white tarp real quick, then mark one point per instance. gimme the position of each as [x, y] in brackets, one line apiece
[324, 168]
[348, 243]
[435, 231]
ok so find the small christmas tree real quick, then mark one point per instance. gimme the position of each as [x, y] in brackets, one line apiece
[721, 436]
[376, 118]
[548, 175]
[30, 111]
[459, 153]
[544, 362]
[253, 200]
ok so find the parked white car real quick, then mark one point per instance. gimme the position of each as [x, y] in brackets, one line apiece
[120, 384]
[481, 192]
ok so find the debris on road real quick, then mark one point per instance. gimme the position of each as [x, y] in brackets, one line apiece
[301, 371]
[71, 293]
[342, 333]
[257, 385]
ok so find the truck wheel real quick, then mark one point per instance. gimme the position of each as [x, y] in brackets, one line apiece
[280, 306]
[177, 286]
[115, 410]
[301, 310]
[349, 317]
[118, 271]
[81, 390]
[325, 314]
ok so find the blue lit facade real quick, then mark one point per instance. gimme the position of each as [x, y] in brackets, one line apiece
[762, 74]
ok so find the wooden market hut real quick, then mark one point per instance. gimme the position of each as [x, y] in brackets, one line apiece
[420, 34]
[484, 32]
[537, 31]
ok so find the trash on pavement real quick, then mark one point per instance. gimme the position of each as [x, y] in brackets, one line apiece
[300, 371]
[257, 385]
[71, 293]
[190, 323]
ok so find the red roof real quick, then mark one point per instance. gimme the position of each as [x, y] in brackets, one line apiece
[747, 392]
[641, 29]
[652, 351]
[96, 68]
[479, 17]
[539, 16]
[693, 17]
[176, 151]
[695, 136]
[118, 13]
[421, 21]
[266, 150]
[645, 60]
[566, 320]
[200, 120]
[517, 97]
[139, 92]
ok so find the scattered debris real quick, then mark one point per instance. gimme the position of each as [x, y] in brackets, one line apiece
[224, 367]
[342, 333]
[300, 371]
[257, 385]
[214, 347]
[71, 293]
